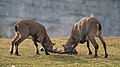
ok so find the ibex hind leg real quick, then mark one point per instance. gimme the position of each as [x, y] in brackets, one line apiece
[88, 46]
[13, 43]
[93, 41]
[104, 44]
[21, 39]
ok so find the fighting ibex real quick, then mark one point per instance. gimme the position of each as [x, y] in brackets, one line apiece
[84, 30]
[25, 28]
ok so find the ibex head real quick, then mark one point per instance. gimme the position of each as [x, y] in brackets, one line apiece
[50, 46]
[68, 50]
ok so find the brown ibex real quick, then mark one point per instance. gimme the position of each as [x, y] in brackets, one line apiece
[25, 28]
[84, 30]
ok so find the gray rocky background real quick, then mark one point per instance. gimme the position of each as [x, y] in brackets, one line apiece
[58, 16]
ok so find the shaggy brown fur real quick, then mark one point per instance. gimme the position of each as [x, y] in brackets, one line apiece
[25, 28]
[84, 30]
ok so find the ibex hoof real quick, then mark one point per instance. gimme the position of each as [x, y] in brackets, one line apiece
[11, 52]
[17, 54]
[95, 56]
[75, 52]
[106, 56]
[90, 53]
[47, 54]
[70, 53]
[42, 49]
[37, 53]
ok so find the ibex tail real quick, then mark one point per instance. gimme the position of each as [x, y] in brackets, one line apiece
[16, 28]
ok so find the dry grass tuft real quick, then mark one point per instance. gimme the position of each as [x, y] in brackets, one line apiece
[29, 59]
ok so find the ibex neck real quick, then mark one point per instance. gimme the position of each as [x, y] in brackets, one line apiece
[70, 41]
[48, 41]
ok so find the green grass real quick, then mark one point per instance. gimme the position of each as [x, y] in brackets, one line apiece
[82, 59]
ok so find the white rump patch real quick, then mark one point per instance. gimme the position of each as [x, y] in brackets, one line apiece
[97, 33]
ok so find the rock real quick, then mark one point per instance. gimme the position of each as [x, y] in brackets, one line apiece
[58, 16]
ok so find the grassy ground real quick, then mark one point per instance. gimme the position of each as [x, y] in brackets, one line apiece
[82, 59]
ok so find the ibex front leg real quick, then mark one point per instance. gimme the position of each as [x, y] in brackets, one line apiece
[46, 51]
[36, 45]
[43, 45]
[76, 43]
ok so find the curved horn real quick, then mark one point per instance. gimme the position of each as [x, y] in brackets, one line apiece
[56, 50]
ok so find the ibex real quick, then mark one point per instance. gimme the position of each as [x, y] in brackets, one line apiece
[85, 30]
[25, 28]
